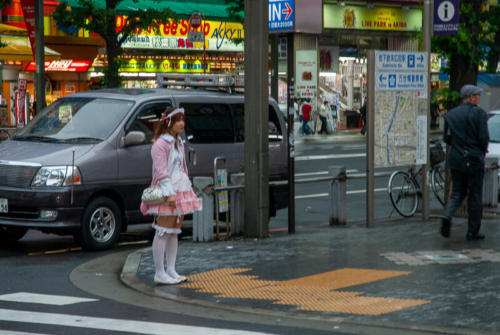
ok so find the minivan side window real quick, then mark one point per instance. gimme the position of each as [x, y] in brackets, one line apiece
[274, 129]
[208, 123]
[147, 118]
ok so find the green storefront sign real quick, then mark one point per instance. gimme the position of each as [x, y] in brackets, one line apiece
[364, 18]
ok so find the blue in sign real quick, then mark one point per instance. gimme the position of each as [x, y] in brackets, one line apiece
[392, 80]
[411, 61]
[281, 15]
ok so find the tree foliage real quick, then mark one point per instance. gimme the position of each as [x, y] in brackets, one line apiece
[102, 21]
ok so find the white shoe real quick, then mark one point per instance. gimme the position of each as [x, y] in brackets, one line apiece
[182, 278]
[166, 280]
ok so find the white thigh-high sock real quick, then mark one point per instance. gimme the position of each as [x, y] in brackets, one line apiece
[159, 245]
[172, 244]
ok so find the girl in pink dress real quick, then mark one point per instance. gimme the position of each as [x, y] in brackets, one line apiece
[170, 173]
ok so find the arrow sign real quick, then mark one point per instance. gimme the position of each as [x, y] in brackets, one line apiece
[281, 15]
[320, 292]
[382, 78]
[288, 11]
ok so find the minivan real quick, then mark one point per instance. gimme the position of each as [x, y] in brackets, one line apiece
[80, 166]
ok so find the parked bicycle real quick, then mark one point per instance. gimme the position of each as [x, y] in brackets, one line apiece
[404, 187]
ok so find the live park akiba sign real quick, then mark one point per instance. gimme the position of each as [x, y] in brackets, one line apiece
[378, 18]
[219, 36]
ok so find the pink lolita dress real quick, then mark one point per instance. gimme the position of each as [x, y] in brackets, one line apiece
[170, 172]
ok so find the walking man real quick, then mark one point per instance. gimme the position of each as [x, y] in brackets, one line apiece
[466, 130]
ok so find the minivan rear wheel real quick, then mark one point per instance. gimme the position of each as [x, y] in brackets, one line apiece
[10, 234]
[101, 224]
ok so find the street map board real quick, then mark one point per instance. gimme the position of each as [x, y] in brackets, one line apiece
[400, 129]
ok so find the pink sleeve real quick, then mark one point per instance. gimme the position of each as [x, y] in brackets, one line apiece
[159, 154]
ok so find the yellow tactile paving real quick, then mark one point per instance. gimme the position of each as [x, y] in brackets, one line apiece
[344, 278]
[311, 293]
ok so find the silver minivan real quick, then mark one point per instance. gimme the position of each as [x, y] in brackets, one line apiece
[80, 166]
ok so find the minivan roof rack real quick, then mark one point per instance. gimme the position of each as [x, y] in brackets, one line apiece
[221, 81]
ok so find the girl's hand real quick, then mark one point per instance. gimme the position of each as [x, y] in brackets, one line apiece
[171, 200]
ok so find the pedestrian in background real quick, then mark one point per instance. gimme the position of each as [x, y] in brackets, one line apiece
[362, 111]
[170, 173]
[323, 115]
[306, 117]
[466, 130]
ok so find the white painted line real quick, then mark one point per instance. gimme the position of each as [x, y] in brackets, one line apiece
[118, 325]
[304, 174]
[331, 156]
[8, 332]
[321, 195]
[47, 299]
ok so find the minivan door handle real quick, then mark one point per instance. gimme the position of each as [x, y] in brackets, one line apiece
[192, 156]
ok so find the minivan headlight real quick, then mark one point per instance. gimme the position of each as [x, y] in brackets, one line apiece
[57, 176]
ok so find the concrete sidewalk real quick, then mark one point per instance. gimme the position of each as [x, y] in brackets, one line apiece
[401, 275]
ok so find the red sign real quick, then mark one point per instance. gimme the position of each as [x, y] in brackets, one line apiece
[195, 20]
[21, 103]
[29, 19]
[63, 65]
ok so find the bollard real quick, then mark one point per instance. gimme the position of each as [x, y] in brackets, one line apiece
[490, 184]
[338, 196]
[203, 221]
[237, 203]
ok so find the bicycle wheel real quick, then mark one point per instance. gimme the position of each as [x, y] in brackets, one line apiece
[403, 193]
[437, 183]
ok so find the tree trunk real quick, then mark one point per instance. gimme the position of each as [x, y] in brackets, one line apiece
[113, 49]
[463, 68]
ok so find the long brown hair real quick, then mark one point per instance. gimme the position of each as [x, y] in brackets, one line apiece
[162, 126]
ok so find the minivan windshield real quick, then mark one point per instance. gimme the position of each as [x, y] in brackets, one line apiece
[76, 119]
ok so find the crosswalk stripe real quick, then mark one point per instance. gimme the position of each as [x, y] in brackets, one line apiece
[321, 195]
[321, 173]
[331, 156]
[8, 332]
[47, 299]
[118, 325]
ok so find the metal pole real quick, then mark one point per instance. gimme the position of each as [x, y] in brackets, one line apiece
[291, 139]
[427, 22]
[39, 57]
[370, 141]
[274, 66]
[256, 119]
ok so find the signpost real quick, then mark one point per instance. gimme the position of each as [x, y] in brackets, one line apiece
[282, 19]
[397, 113]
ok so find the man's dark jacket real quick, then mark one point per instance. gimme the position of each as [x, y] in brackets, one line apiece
[466, 130]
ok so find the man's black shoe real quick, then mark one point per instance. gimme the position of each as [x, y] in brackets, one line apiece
[445, 227]
[476, 237]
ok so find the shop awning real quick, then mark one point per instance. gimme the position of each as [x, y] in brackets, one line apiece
[19, 48]
[209, 8]
[7, 29]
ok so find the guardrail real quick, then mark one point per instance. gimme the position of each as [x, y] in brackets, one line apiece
[204, 186]
[203, 221]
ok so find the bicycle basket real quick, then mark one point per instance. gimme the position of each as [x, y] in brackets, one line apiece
[437, 153]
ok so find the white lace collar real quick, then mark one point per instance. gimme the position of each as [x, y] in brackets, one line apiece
[169, 138]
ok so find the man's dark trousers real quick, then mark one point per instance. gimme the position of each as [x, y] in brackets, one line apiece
[461, 183]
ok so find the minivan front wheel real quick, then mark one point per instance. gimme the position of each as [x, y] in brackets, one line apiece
[101, 224]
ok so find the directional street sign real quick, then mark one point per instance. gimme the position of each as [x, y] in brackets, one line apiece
[281, 15]
[396, 70]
